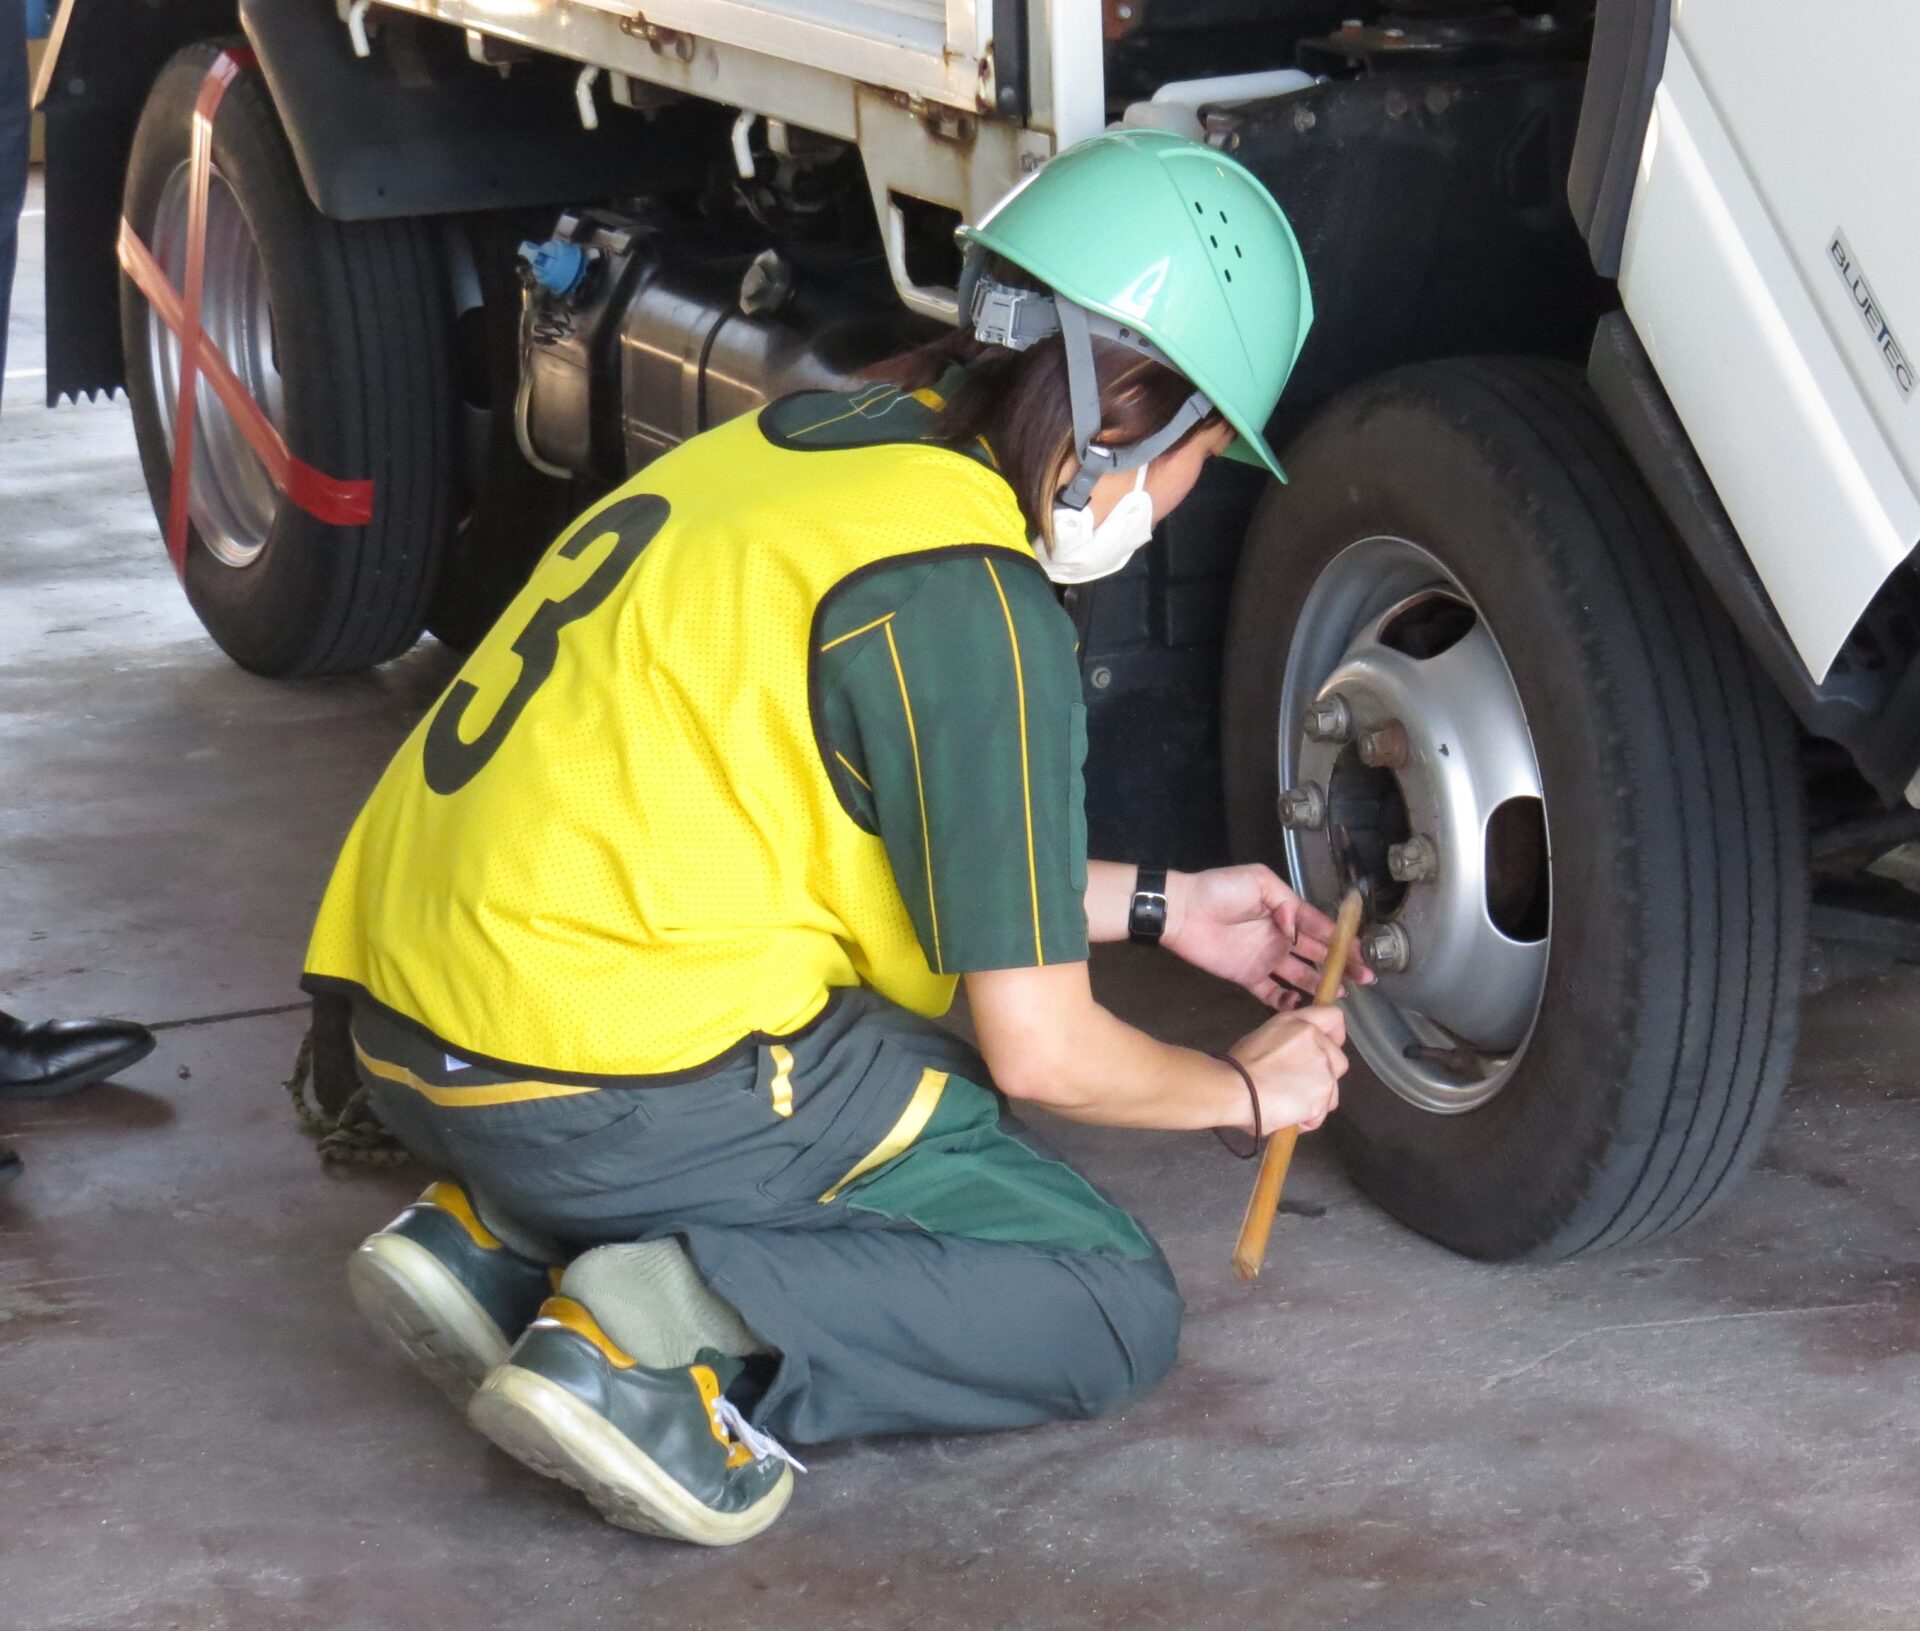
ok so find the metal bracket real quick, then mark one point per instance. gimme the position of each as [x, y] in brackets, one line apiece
[583, 98]
[357, 27]
[490, 51]
[743, 143]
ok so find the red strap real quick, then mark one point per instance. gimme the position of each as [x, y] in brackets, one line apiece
[340, 503]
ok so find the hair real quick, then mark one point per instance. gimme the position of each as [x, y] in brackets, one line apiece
[1019, 404]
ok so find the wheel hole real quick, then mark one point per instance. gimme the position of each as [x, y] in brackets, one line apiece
[1367, 811]
[1519, 879]
[1428, 625]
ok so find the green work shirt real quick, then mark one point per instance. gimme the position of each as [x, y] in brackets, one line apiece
[947, 703]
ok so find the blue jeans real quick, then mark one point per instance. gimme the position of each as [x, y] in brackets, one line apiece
[14, 126]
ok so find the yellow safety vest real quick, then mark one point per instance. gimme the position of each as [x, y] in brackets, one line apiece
[612, 848]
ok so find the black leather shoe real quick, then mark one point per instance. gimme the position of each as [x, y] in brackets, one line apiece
[59, 1055]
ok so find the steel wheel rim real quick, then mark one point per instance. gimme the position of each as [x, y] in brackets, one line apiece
[231, 498]
[1477, 977]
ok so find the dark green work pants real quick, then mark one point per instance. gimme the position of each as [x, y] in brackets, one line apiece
[860, 1196]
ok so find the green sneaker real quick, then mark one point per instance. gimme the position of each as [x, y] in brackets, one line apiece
[661, 1451]
[447, 1289]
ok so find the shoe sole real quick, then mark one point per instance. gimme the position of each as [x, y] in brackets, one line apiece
[544, 1427]
[406, 1293]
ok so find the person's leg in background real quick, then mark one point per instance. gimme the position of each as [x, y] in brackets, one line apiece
[57, 1056]
[49, 1057]
[15, 126]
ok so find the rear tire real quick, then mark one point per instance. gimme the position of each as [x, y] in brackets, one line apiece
[348, 324]
[1666, 1019]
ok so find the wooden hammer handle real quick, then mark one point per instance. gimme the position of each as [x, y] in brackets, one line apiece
[1250, 1250]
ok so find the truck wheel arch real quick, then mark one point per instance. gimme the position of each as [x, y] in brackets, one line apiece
[1629, 56]
[411, 131]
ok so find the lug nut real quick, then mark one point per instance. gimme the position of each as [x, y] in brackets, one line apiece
[1328, 720]
[1385, 746]
[1387, 949]
[1415, 861]
[1303, 808]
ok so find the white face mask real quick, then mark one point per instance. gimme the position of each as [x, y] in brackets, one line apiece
[1081, 552]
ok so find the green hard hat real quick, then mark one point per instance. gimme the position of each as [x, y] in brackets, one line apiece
[1177, 243]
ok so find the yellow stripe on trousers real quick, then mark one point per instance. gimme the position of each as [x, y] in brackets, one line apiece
[782, 1085]
[468, 1097]
[902, 1133]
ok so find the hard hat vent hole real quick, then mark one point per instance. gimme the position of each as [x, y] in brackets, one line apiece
[1227, 273]
[1236, 253]
[1199, 208]
[1213, 240]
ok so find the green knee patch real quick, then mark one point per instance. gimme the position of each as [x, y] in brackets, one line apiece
[966, 1175]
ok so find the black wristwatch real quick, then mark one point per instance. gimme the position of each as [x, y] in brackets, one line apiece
[1147, 916]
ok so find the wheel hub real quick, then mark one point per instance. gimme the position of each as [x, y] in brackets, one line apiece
[1434, 797]
[231, 496]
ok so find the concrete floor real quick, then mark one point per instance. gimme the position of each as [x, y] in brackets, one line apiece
[1719, 1432]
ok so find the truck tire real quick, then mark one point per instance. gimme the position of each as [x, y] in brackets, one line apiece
[340, 330]
[1605, 936]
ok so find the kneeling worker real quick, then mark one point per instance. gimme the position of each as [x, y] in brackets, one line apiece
[645, 926]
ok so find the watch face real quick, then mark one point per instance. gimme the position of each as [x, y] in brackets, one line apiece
[1148, 917]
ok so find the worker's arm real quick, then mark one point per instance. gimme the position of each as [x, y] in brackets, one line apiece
[1239, 922]
[1048, 1042]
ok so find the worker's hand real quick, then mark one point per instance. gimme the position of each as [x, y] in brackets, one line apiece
[1243, 924]
[1296, 1062]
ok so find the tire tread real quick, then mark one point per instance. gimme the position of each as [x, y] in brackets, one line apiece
[386, 412]
[1697, 785]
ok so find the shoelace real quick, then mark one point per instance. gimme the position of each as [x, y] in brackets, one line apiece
[727, 1414]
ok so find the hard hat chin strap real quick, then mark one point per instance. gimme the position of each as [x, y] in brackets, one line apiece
[1021, 318]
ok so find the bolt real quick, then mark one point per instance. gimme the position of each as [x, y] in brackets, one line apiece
[1303, 808]
[1387, 949]
[1415, 861]
[1385, 747]
[1328, 720]
[767, 285]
